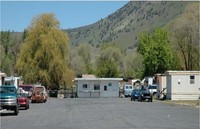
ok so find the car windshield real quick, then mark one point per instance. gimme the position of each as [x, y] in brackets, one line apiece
[23, 95]
[129, 87]
[152, 87]
[39, 89]
[7, 90]
[26, 88]
[136, 91]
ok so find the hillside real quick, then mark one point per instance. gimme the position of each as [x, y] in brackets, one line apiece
[123, 26]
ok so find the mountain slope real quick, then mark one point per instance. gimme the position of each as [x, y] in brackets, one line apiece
[123, 26]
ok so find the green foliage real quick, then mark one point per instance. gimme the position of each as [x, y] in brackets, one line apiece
[7, 53]
[43, 56]
[156, 51]
[81, 59]
[133, 65]
[5, 40]
[109, 63]
[108, 68]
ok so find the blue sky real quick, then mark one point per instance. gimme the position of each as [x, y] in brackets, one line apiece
[17, 15]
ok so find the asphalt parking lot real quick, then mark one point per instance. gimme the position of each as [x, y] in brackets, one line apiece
[102, 113]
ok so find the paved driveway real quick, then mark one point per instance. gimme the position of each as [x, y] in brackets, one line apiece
[102, 113]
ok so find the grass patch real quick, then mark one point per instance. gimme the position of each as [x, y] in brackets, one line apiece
[195, 103]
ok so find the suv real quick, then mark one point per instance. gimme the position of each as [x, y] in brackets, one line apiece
[39, 94]
[127, 89]
[8, 98]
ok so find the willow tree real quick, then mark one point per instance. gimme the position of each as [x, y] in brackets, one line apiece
[43, 56]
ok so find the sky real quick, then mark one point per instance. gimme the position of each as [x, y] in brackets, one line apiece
[17, 15]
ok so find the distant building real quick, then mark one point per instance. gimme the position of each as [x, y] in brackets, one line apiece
[97, 87]
[183, 85]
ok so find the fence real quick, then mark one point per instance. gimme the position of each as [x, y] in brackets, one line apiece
[67, 94]
[89, 94]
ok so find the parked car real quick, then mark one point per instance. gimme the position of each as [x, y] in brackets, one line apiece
[28, 88]
[23, 100]
[127, 89]
[153, 89]
[39, 94]
[53, 92]
[145, 95]
[8, 98]
[135, 94]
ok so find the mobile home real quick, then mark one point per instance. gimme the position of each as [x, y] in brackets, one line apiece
[97, 87]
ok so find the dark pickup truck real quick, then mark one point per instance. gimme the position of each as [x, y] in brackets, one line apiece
[8, 98]
[145, 95]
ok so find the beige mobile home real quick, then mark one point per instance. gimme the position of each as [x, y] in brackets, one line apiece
[183, 85]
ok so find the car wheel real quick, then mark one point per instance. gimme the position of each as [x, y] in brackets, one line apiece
[139, 99]
[16, 111]
[27, 107]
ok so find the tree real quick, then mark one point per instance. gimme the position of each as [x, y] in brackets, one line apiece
[7, 58]
[185, 37]
[84, 51]
[156, 51]
[109, 63]
[133, 65]
[81, 59]
[43, 56]
[5, 40]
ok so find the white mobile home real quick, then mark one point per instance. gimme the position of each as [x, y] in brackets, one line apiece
[183, 85]
[97, 87]
[12, 80]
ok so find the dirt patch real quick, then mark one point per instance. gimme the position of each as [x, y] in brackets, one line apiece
[194, 103]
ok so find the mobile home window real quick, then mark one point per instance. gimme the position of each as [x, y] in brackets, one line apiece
[96, 87]
[85, 86]
[192, 79]
[105, 88]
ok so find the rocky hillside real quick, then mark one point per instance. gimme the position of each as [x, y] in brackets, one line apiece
[123, 26]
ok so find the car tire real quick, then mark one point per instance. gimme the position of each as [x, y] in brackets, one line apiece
[26, 107]
[16, 110]
[139, 99]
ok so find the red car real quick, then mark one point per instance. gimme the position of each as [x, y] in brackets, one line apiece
[23, 100]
